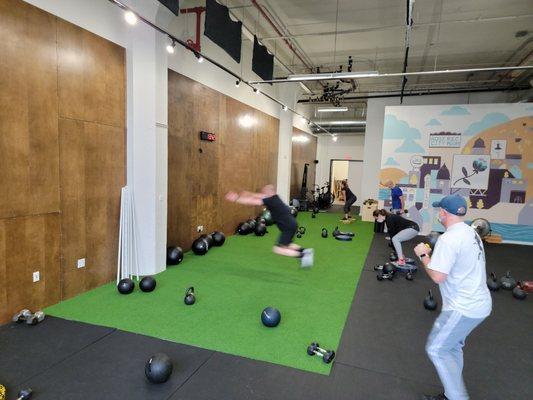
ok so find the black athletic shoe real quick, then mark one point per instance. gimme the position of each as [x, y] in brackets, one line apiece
[440, 396]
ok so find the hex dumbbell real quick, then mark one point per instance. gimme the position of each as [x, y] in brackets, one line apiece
[315, 349]
[22, 316]
[36, 318]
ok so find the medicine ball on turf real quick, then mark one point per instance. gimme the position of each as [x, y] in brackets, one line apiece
[200, 246]
[252, 223]
[209, 239]
[270, 317]
[125, 286]
[147, 284]
[260, 230]
[174, 255]
[243, 228]
[294, 211]
[158, 368]
[218, 238]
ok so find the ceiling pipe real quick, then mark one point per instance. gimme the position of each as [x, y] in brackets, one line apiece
[421, 93]
[395, 74]
[409, 28]
[386, 27]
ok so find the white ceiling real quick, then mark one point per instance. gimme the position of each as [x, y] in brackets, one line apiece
[447, 34]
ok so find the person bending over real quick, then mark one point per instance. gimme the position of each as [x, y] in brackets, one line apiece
[400, 230]
[458, 267]
[349, 197]
[398, 203]
[282, 218]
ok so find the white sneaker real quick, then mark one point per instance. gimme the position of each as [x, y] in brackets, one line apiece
[308, 258]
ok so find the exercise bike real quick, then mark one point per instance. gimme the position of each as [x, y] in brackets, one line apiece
[322, 196]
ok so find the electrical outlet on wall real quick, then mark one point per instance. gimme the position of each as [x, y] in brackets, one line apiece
[81, 263]
[200, 228]
[36, 276]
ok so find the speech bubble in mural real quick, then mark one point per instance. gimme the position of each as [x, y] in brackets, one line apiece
[470, 171]
[416, 161]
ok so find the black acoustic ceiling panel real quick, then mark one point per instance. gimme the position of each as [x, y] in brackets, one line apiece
[172, 5]
[222, 30]
[262, 61]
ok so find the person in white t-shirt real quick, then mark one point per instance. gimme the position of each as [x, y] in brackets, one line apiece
[458, 266]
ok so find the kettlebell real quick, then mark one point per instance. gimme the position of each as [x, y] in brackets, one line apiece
[507, 281]
[301, 230]
[392, 256]
[492, 282]
[299, 235]
[313, 215]
[336, 231]
[518, 293]
[409, 276]
[429, 302]
[324, 233]
[190, 298]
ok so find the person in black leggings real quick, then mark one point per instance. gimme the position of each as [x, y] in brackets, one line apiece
[399, 228]
[349, 199]
[282, 218]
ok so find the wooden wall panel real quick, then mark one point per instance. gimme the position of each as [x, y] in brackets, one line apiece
[29, 159]
[242, 158]
[91, 77]
[62, 157]
[31, 244]
[302, 152]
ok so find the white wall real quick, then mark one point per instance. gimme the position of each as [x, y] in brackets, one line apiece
[345, 148]
[374, 127]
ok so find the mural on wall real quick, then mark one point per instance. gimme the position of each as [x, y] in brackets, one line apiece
[483, 152]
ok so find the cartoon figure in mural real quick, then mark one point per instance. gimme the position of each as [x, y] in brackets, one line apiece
[398, 202]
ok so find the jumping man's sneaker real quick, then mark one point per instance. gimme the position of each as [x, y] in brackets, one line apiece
[307, 258]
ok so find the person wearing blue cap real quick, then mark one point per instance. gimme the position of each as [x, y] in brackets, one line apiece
[457, 265]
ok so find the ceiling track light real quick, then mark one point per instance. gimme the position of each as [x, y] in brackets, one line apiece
[130, 17]
[199, 57]
[284, 108]
[170, 47]
[238, 83]
[256, 91]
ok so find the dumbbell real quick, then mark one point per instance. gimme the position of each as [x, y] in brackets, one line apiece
[382, 276]
[34, 319]
[22, 316]
[25, 394]
[315, 349]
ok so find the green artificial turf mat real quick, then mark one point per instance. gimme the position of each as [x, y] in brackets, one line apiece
[233, 284]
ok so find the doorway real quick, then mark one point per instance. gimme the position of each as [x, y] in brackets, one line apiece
[352, 170]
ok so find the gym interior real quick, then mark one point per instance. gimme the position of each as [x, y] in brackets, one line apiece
[171, 226]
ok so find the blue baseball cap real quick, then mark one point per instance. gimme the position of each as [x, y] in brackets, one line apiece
[453, 203]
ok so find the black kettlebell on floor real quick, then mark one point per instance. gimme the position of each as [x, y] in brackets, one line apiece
[299, 235]
[313, 215]
[518, 293]
[492, 282]
[324, 233]
[507, 281]
[429, 302]
[301, 230]
[392, 256]
[409, 276]
[190, 298]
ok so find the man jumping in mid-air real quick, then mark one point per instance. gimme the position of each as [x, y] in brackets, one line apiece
[283, 219]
